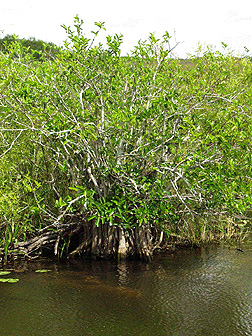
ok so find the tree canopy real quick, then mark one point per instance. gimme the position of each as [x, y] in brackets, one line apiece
[138, 143]
[32, 46]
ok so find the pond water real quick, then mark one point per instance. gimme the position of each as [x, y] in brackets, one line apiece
[193, 292]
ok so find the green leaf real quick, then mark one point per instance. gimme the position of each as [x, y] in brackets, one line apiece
[42, 271]
[9, 280]
[4, 273]
[12, 280]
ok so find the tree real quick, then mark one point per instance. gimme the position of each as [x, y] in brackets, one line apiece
[125, 149]
[34, 47]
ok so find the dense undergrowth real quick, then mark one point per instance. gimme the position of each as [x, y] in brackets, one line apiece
[133, 148]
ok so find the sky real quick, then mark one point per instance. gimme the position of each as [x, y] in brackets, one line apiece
[190, 23]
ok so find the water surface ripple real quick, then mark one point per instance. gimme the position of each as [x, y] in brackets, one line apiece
[194, 292]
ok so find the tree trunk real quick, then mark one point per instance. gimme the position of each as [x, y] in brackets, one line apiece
[104, 241]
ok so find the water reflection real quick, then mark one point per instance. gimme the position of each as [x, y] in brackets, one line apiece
[195, 292]
[122, 273]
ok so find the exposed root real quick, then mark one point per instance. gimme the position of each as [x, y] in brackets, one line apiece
[104, 241]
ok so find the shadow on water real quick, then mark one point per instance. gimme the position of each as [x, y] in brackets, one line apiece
[193, 292]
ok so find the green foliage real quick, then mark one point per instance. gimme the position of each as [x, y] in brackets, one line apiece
[128, 141]
[4, 272]
[36, 48]
[10, 280]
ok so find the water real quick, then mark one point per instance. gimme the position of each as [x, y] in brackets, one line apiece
[193, 292]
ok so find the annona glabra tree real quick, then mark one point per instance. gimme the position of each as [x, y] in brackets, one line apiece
[109, 155]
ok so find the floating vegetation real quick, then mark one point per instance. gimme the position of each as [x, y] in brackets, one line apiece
[42, 271]
[9, 280]
[4, 272]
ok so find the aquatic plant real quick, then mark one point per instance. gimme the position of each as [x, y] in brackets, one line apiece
[9, 280]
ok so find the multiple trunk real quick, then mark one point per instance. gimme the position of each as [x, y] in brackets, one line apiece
[104, 241]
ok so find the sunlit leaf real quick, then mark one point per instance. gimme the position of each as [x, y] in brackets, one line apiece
[4, 272]
[9, 280]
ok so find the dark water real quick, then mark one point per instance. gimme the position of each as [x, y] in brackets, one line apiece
[194, 292]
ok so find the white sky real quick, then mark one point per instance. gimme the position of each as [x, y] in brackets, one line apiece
[194, 21]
